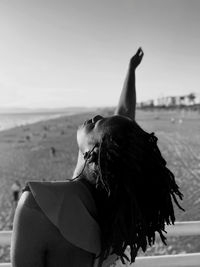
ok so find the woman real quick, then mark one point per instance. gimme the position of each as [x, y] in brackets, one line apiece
[120, 195]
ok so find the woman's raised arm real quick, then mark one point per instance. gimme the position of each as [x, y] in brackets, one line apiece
[127, 102]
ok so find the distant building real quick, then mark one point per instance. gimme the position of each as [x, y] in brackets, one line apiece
[172, 101]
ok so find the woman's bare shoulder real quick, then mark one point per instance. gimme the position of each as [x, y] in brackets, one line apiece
[28, 212]
[27, 200]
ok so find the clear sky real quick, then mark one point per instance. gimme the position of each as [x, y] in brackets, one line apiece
[58, 53]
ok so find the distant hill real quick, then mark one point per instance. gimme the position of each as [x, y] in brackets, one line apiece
[45, 110]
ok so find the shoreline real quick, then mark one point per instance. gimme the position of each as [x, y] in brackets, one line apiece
[25, 122]
[9, 121]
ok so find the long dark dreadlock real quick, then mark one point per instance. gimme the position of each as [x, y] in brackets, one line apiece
[134, 191]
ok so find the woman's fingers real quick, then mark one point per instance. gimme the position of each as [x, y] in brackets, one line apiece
[136, 59]
[140, 52]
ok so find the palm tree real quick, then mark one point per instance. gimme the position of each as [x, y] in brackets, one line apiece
[191, 97]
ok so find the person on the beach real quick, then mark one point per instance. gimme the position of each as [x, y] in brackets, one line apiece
[15, 189]
[15, 192]
[53, 151]
[120, 195]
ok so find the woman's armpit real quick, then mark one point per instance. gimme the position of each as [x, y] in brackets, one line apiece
[28, 200]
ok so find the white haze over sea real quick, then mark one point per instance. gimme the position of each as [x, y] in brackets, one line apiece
[10, 120]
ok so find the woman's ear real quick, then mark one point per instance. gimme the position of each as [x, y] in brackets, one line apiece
[93, 157]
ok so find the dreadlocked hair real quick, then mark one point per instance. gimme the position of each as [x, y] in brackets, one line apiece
[135, 191]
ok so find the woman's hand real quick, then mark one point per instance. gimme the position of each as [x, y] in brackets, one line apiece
[137, 58]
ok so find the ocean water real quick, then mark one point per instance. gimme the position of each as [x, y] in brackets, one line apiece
[8, 121]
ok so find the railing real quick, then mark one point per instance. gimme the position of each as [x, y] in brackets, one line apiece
[179, 260]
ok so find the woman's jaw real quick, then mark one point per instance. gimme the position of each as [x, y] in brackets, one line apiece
[91, 131]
